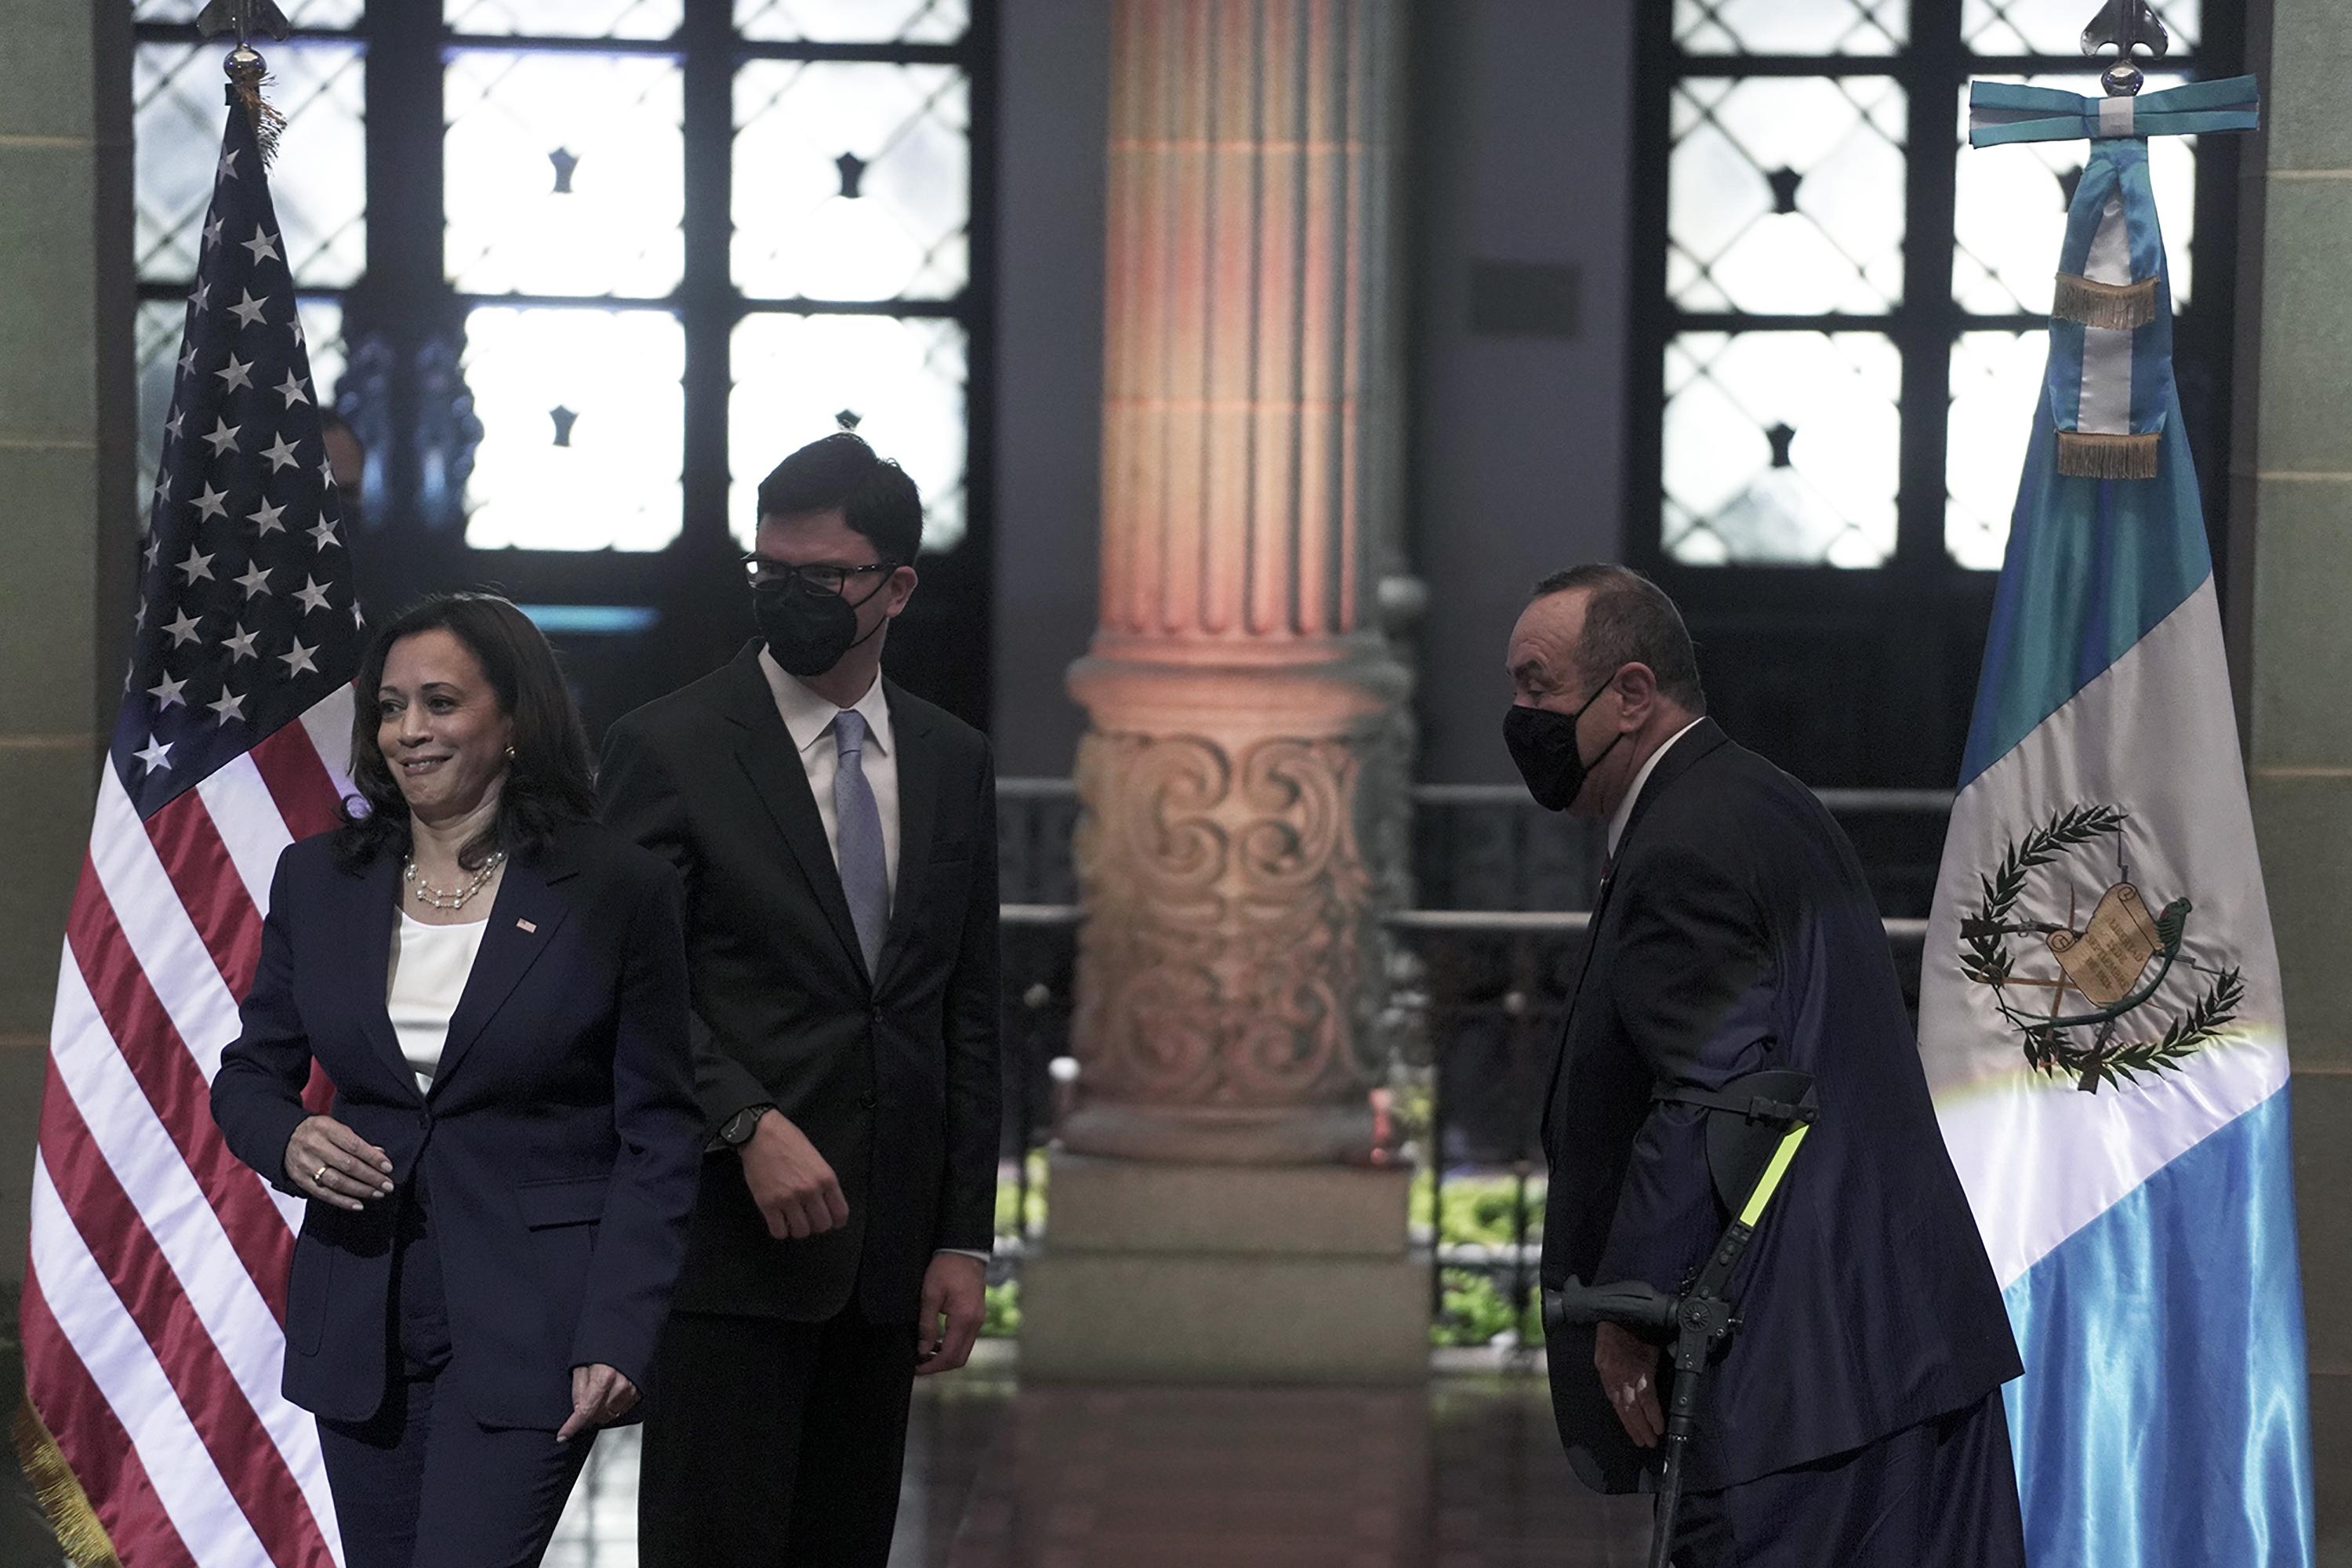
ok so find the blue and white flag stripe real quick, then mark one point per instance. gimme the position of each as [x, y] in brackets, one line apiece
[2144, 1233]
[2001, 113]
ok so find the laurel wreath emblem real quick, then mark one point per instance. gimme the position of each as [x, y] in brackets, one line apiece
[2055, 1048]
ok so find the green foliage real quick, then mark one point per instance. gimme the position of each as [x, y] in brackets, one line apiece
[1478, 1311]
[1003, 1319]
[1986, 958]
[1477, 1210]
[2202, 1024]
[1008, 1192]
[1412, 1100]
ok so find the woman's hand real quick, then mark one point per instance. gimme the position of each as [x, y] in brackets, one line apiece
[328, 1161]
[599, 1396]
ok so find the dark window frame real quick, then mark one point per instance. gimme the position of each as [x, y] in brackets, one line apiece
[1933, 69]
[404, 326]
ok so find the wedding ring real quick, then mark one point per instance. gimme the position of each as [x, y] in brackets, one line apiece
[320, 1179]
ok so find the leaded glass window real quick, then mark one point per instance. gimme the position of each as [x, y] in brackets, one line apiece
[633, 252]
[582, 417]
[564, 174]
[317, 181]
[1791, 26]
[1786, 197]
[857, 180]
[899, 380]
[1782, 447]
[1848, 339]
[854, 21]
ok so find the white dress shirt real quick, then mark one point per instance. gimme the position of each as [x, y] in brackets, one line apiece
[808, 719]
[430, 966]
[1624, 812]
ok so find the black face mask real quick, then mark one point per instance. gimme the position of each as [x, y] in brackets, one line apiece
[808, 633]
[1543, 744]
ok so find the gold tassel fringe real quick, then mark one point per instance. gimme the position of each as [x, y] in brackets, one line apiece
[59, 1494]
[246, 75]
[2088, 456]
[2116, 307]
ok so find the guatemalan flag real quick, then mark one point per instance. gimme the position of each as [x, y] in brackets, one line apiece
[2099, 1010]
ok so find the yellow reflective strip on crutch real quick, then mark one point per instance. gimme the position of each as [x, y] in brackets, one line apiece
[1767, 1184]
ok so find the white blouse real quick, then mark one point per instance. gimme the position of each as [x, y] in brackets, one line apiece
[429, 968]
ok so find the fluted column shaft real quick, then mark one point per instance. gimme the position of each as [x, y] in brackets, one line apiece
[1243, 782]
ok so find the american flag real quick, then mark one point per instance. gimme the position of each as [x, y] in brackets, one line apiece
[155, 1293]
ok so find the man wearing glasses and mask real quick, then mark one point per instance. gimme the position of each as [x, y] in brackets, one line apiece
[838, 840]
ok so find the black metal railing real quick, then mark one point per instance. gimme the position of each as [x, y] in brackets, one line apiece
[1491, 992]
[1478, 990]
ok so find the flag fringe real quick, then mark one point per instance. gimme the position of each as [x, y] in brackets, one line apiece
[247, 75]
[2116, 307]
[2084, 456]
[60, 1495]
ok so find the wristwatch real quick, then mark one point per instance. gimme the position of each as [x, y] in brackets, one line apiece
[737, 1130]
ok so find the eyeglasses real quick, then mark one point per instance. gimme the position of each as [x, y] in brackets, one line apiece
[762, 572]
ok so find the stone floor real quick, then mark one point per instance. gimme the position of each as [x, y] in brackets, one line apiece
[1466, 1474]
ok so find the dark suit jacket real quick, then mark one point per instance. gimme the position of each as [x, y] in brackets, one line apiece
[1736, 932]
[557, 1148]
[892, 1076]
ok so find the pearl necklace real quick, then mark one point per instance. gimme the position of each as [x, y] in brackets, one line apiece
[456, 898]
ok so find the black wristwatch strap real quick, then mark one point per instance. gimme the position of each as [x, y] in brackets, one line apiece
[738, 1129]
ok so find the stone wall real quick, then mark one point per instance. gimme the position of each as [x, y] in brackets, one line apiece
[2291, 543]
[65, 464]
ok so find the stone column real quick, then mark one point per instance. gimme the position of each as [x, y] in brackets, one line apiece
[1243, 783]
[2290, 540]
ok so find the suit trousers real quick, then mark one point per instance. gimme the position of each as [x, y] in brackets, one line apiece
[1942, 1494]
[422, 1484]
[771, 1444]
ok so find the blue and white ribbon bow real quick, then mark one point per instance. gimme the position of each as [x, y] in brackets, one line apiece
[2111, 317]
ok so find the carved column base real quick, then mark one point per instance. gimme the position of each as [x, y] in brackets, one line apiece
[1240, 839]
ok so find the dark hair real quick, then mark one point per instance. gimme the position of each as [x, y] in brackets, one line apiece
[874, 493]
[1628, 619]
[550, 781]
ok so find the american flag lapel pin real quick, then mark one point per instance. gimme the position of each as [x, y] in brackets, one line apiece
[528, 926]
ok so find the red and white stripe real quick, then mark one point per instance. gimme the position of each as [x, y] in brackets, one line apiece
[157, 1288]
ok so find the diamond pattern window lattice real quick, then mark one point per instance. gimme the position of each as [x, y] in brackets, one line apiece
[612, 229]
[318, 181]
[1997, 390]
[1782, 448]
[563, 18]
[1791, 26]
[2008, 218]
[853, 180]
[300, 13]
[904, 381]
[1785, 195]
[854, 21]
[2055, 27]
[613, 480]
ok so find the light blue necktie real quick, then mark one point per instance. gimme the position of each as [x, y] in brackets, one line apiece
[857, 834]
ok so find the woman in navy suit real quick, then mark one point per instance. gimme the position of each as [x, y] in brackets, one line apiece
[497, 987]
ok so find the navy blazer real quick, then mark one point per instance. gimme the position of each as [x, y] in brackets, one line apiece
[558, 1146]
[894, 1075]
[1736, 932]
